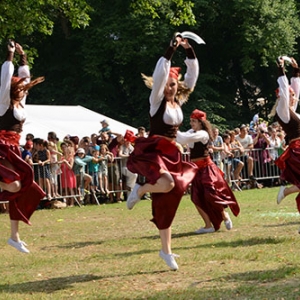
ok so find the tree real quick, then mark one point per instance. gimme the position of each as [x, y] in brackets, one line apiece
[99, 65]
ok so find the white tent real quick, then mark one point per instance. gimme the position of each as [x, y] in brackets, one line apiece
[66, 119]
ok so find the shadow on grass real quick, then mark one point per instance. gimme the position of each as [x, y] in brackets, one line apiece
[244, 242]
[61, 283]
[73, 245]
[282, 224]
[47, 285]
[258, 276]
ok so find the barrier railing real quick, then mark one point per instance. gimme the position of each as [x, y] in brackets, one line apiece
[87, 189]
[257, 162]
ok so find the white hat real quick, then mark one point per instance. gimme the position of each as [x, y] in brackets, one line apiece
[80, 150]
[105, 121]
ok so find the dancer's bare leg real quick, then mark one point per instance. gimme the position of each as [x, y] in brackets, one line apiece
[165, 238]
[205, 217]
[163, 185]
[290, 190]
[14, 230]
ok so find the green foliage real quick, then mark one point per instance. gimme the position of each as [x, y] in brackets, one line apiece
[93, 52]
[177, 12]
[38, 16]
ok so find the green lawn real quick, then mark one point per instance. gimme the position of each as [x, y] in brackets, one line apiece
[108, 252]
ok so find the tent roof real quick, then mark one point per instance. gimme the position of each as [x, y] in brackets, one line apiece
[66, 119]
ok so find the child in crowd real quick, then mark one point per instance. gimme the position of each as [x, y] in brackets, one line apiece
[105, 127]
[43, 156]
[93, 168]
[104, 158]
[54, 168]
[26, 153]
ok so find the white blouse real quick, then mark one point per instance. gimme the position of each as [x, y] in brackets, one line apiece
[191, 137]
[160, 77]
[283, 107]
[7, 71]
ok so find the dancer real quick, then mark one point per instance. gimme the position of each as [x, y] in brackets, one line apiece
[156, 157]
[16, 176]
[285, 106]
[210, 192]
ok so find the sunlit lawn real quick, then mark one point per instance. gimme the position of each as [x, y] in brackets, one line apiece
[108, 252]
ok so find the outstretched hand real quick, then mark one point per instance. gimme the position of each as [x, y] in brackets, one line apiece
[11, 46]
[294, 62]
[19, 49]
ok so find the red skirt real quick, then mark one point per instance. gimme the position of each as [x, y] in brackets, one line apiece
[211, 192]
[152, 154]
[23, 203]
[289, 163]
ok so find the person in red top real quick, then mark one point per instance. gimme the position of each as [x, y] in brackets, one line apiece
[16, 176]
[156, 157]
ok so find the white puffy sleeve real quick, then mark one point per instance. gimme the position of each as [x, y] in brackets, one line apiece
[282, 108]
[7, 71]
[160, 78]
[190, 137]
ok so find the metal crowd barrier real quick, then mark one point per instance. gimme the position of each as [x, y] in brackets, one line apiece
[50, 178]
[264, 168]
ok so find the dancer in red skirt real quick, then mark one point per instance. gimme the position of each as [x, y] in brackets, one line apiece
[286, 104]
[156, 157]
[210, 192]
[16, 176]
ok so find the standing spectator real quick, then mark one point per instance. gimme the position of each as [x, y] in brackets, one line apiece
[247, 142]
[157, 157]
[274, 144]
[68, 178]
[27, 152]
[105, 158]
[83, 178]
[93, 168]
[217, 148]
[54, 168]
[261, 156]
[141, 132]
[124, 151]
[237, 149]
[43, 156]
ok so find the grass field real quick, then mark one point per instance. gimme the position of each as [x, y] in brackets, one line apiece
[108, 252]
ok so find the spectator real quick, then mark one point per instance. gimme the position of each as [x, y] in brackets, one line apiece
[246, 141]
[68, 178]
[105, 127]
[43, 156]
[105, 158]
[217, 148]
[27, 152]
[125, 150]
[79, 168]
